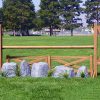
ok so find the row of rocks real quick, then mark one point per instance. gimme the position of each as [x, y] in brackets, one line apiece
[40, 70]
[60, 71]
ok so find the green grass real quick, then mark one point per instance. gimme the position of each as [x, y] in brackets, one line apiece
[46, 40]
[49, 88]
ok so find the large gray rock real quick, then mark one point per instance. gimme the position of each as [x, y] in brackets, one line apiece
[61, 70]
[82, 69]
[9, 69]
[39, 69]
[25, 69]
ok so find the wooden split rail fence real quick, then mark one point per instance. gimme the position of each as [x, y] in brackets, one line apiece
[71, 61]
[94, 60]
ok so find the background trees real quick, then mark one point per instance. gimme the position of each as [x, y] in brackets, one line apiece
[70, 12]
[49, 13]
[19, 15]
[93, 11]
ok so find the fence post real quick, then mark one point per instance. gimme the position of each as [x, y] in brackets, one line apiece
[95, 49]
[0, 45]
[49, 61]
[91, 65]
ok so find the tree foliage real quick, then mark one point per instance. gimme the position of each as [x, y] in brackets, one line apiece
[49, 13]
[93, 11]
[19, 15]
[38, 22]
[70, 12]
[1, 14]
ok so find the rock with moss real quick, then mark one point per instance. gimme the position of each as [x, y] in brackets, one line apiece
[63, 71]
[25, 69]
[9, 69]
[39, 69]
[82, 72]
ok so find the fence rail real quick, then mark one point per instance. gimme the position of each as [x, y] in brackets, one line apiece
[49, 47]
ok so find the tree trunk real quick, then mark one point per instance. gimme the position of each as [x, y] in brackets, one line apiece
[14, 33]
[51, 31]
[21, 31]
[71, 32]
[27, 31]
[24, 31]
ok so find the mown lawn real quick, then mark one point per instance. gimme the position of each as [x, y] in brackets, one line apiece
[49, 88]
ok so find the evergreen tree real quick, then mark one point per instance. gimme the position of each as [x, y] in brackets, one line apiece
[70, 12]
[19, 15]
[49, 13]
[38, 22]
[1, 14]
[93, 11]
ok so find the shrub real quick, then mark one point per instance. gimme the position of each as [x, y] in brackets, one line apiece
[83, 75]
[65, 75]
[50, 72]
[2, 74]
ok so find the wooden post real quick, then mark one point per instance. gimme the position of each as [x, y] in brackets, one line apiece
[99, 29]
[95, 49]
[91, 65]
[0, 45]
[49, 62]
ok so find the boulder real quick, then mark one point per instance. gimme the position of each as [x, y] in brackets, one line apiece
[9, 69]
[61, 70]
[25, 69]
[39, 69]
[82, 69]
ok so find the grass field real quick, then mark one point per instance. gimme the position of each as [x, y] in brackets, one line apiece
[49, 88]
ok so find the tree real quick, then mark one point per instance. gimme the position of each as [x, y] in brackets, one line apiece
[19, 15]
[1, 14]
[49, 13]
[93, 11]
[70, 12]
[38, 22]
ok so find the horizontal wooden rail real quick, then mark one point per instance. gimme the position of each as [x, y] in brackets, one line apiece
[49, 47]
[68, 57]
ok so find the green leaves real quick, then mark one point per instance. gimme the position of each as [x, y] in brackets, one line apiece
[49, 13]
[1, 14]
[71, 11]
[18, 14]
[93, 11]
[83, 75]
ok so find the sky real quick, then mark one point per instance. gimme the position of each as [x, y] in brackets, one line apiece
[37, 2]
